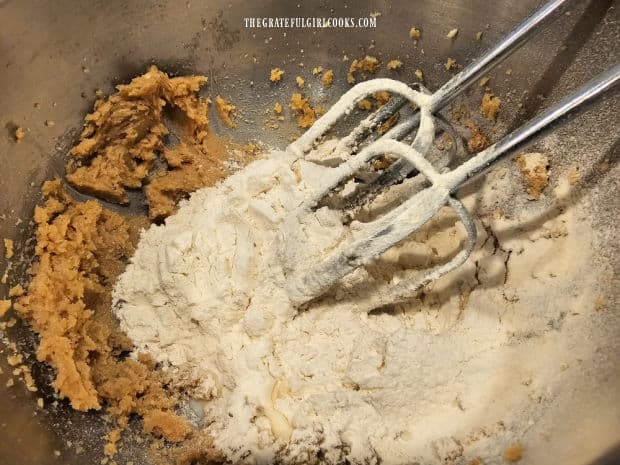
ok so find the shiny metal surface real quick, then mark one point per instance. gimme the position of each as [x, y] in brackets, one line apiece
[56, 54]
[526, 134]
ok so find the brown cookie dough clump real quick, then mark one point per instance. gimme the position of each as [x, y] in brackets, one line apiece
[533, 167]
[368, 64]
[306, 115]
[225, 111]
[81, 249]
[490, 105]
[124, 136]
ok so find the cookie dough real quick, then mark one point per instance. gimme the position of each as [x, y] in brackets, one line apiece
[368, 64]
[225, 110]
[533, 167]
[306, 115]
[490, 105]
[81, 249]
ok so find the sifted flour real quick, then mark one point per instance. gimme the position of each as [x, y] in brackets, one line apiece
[450, 376]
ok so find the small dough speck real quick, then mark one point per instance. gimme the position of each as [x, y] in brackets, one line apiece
[415, 33]
[490, 105]
[381, 98]
[364, 104]
[450, 63]
[8, 248]
[224, 111]
[276, 75]
[16, 291]
[306, 115]
[533, 167]
[300, 81]
[15, 359]
[328, 78]
[477, 140]
[394, 64]
[367, 64]
[19, 134]
[452, 34]
[5, 305]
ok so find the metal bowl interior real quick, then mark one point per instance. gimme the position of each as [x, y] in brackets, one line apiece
[56, 54]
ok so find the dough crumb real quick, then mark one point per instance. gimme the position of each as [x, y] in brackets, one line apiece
[276, 75]
[109, 449]
[81, 249]
[415, 33]
[224, 110]
[484, 81]
[300, 82]
[317, 70]
[394, 64]
[15, 359]
[418, 73]
[364, 104]
[328, 78]
[277, 108]
[479, 35]
[19, 134]
[450, 63]
[490, 105]
[477, 140]
[533, 167]
[16, 291]
[167, 424]
[122, 135]
[381, 98]
[513, 453]
[49, 123]
[190, 167]
[198, 448]
[368, 64]
[5, 306]
[452, 33]
[9, 248]
[306, 115]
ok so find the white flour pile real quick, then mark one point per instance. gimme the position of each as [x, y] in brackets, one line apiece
[458, 374]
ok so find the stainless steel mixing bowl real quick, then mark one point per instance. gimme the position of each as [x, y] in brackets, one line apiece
[56, 54]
